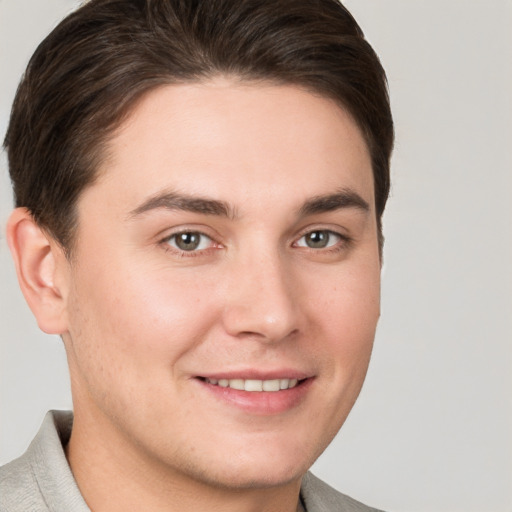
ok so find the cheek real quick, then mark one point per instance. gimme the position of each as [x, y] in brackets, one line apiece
[349, 305]
[132, 325]
[347, 314]
[344, 315]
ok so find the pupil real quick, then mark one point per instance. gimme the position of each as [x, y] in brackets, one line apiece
[317, 239]
[187, 241]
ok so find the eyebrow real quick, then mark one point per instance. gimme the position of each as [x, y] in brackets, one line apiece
[344, 198]
[184, 202]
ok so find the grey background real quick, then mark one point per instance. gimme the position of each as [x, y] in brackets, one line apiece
[432, 430]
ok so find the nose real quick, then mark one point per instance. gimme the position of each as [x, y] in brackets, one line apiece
[261, 300]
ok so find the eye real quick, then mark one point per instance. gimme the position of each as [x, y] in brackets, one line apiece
[189, 241]
[319, 239]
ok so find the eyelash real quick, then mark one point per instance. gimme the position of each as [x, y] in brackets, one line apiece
[342, 243]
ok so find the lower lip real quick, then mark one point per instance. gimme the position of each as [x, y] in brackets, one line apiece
[260, 402]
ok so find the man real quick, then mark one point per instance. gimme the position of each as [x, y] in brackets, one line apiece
[199, 189]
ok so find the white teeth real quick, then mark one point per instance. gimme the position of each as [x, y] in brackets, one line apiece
[237, 384]
[271, 385]
[254, 384]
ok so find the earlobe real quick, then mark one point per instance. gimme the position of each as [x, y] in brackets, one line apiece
[39, 260]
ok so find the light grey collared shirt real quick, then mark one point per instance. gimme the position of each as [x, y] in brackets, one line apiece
[41, 479]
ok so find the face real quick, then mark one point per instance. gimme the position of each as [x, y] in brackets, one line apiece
[224, 291]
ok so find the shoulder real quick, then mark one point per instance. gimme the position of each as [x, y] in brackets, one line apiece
[321, 497]
[41, 480]
[19, 489]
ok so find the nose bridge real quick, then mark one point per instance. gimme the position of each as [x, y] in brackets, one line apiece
[261, 299]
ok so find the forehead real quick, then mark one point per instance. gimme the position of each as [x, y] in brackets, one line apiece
[235, 141]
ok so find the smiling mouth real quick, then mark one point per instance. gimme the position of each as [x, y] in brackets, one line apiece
[255, 385]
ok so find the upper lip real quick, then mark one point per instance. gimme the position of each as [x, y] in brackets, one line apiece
[254, 374]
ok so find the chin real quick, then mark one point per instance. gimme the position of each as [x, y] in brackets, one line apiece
[248, 465]
[250, 477]
[258, 466]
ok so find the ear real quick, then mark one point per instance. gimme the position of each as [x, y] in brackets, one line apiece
[42, 267]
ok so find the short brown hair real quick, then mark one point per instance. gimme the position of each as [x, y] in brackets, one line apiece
[85, 77]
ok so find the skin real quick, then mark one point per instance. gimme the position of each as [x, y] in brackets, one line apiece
[142, 320]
